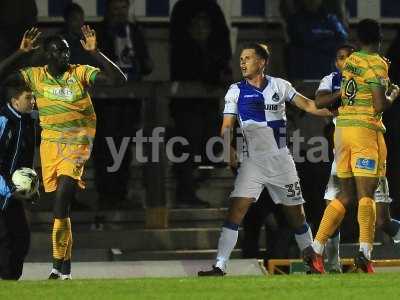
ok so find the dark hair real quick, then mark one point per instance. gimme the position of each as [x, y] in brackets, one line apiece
[261, 50]
[369, 32]
[14, 91]
[72, 8]
[347, 47]
[51, 39]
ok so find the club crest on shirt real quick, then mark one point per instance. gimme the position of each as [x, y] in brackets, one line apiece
[71, 81]
[275, 97]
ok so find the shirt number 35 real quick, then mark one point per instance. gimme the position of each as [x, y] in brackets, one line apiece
[293, 190]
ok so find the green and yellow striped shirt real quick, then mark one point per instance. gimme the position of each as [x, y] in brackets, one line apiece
[361, 73]
[65, 109]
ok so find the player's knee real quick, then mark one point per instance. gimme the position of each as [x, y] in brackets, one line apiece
[61, 212]
[66, 186]
[297, 222]
[345, 200]
[295, 216]
[61, 208]
[238, 209]
[366, 194]
[64, 195]
[367, 189]
[236, 216]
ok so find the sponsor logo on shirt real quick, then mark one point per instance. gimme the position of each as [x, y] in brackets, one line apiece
[65, 93]
[251, 96]
[273, 107]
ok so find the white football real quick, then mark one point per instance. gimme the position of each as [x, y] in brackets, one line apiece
[26, 182]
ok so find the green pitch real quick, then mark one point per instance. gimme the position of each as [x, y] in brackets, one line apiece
[349, 286]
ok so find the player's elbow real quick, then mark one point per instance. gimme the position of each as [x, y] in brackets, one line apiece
[381, 107]
[380, 101]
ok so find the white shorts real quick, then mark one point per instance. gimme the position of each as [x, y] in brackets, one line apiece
[277, 173]
[333, 188]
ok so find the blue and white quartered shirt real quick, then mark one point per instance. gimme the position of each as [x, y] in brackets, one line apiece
[261, 114]
[330, 83]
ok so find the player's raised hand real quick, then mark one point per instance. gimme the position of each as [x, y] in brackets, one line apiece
[90, 42]
[29, 39]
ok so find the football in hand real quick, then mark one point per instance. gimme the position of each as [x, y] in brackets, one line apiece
[26, 182]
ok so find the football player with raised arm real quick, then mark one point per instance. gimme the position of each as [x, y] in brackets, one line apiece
[68, 123]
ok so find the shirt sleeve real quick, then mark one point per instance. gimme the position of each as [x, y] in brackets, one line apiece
[288, 91]
[325, 84]
[231, 99]
[6, 190]
[376, 75]
[28, 75]
[5, 193]
[87, 74]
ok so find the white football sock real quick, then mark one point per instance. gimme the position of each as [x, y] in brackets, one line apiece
[318, 247]
[332, 250]
[304, 237]
[226, 244]
[366, 249]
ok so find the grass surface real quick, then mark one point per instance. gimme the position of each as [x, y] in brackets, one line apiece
[347, 286]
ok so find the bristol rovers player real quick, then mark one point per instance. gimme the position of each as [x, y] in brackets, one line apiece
[258, 102]
[329, 94]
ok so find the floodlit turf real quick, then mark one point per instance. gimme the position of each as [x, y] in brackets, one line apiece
[349, 286]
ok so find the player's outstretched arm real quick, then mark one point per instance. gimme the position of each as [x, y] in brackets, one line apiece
[111, 73]
[309, 106]
[28, 44]
[326, 99]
